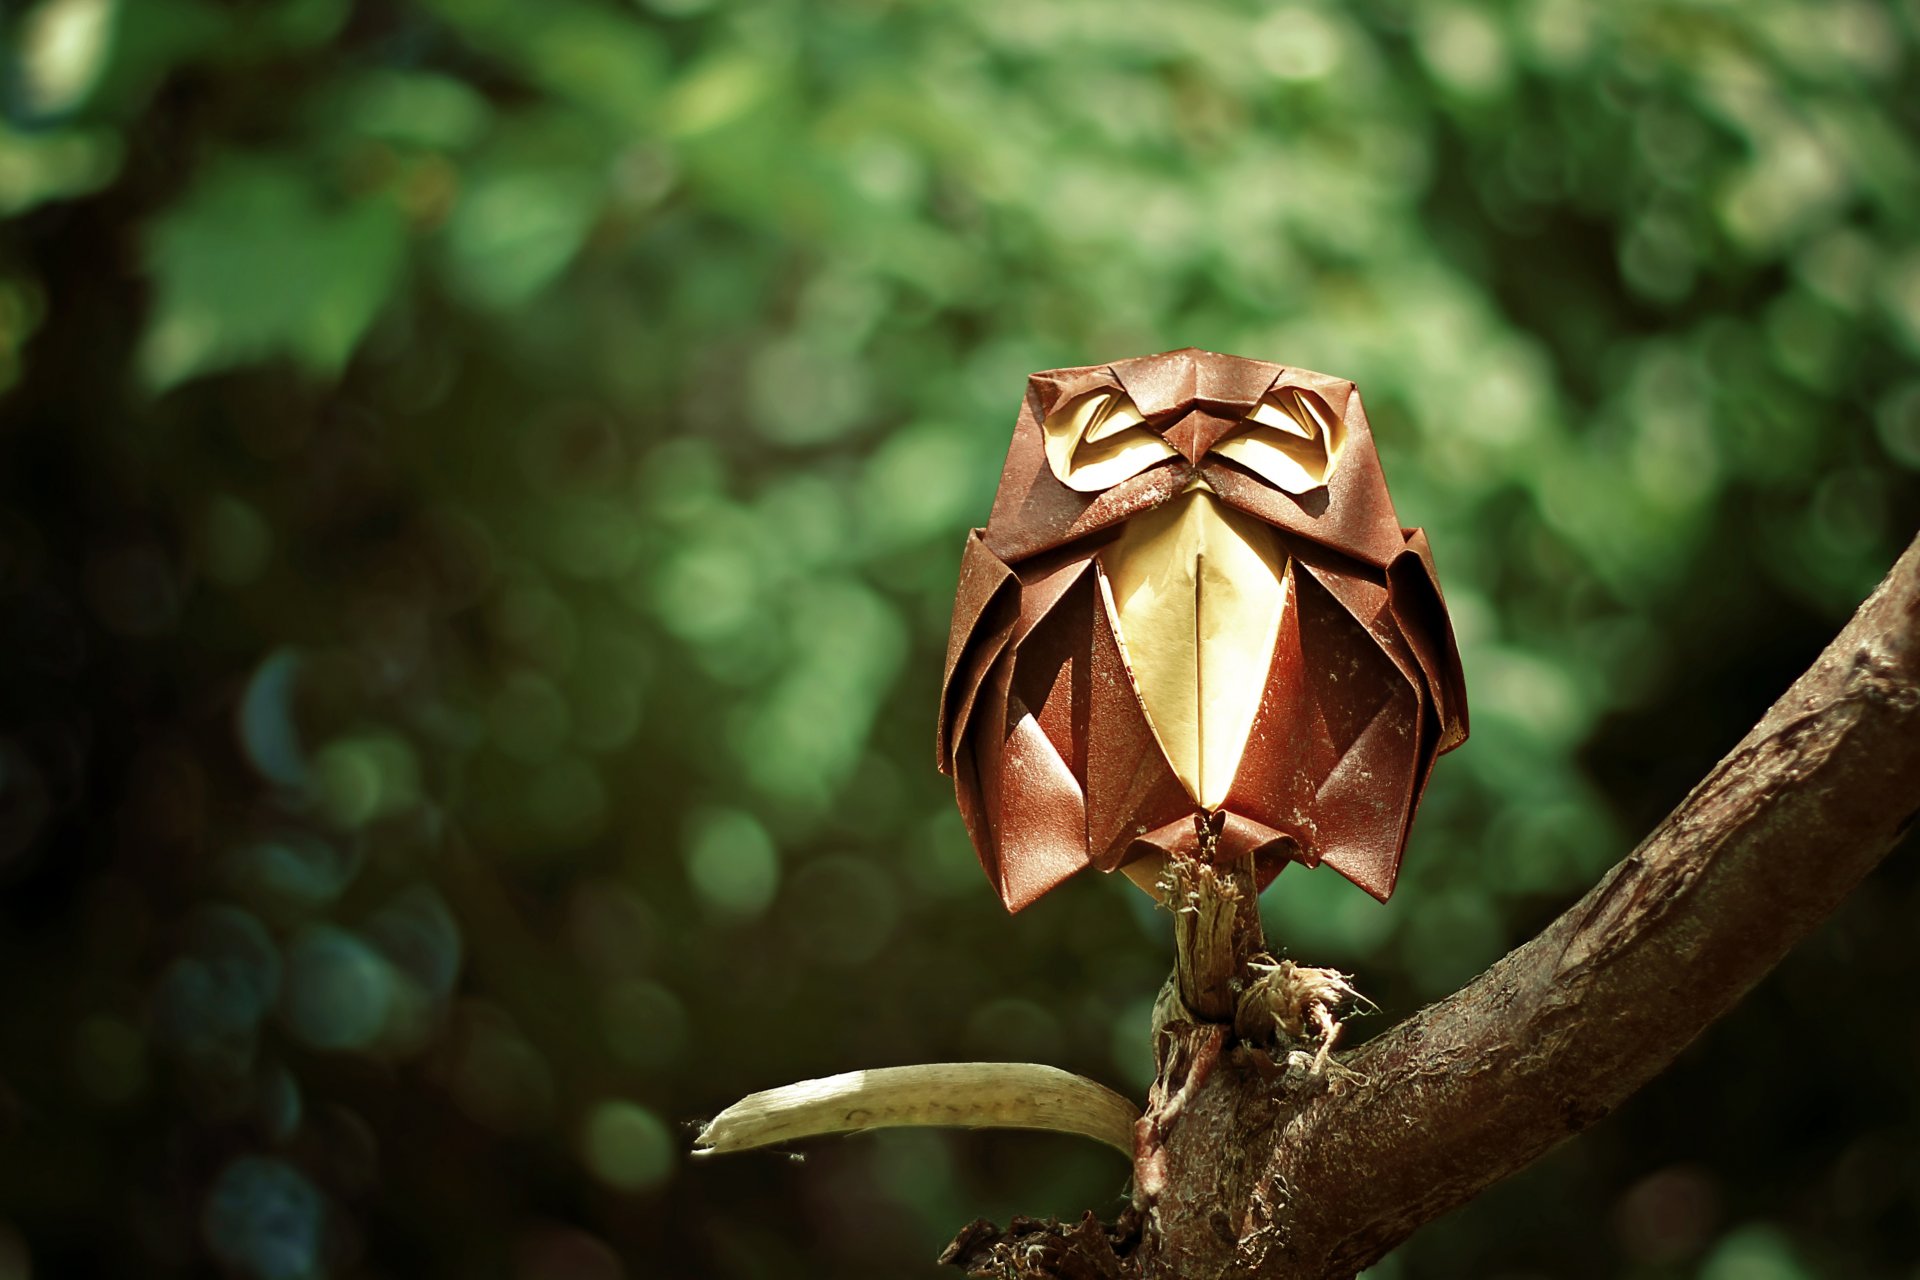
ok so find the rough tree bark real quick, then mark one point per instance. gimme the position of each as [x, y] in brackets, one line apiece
[1250, 1163]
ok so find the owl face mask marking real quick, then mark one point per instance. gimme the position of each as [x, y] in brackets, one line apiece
[1099, 440]
[1290, 441]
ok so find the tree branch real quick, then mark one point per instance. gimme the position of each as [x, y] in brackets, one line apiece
[1563, 1029]
[1216, 932]
[1267, 1171]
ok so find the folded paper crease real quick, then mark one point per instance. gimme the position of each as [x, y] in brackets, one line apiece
[1193, 596]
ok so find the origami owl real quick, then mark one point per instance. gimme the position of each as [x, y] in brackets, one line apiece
[1193, 624]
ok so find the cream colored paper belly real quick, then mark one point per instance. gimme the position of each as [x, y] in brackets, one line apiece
[1195, 590]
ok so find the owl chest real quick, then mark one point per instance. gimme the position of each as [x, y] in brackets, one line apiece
[1147, 663]
[1194, 593]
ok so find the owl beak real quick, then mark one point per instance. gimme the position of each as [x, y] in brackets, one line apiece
[1197, 432]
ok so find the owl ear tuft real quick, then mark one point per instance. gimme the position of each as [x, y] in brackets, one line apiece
[1096, 441]
[1292, 440]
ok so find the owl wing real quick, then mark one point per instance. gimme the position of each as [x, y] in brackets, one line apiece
[986, 604]
[1422, 614]
[1363, 693]
[1015, 716]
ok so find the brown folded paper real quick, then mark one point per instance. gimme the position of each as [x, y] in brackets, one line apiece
[1193, 598]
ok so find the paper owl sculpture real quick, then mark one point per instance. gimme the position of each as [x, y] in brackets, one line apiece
[1193, 624]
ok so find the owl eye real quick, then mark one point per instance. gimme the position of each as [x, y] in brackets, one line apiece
[1097, 441]
[1290, 440]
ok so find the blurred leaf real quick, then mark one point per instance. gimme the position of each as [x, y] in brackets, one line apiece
[63, 46]
[514, 231]
[256, 263]
[1758, 1251]
[409, 107]
[38, 167]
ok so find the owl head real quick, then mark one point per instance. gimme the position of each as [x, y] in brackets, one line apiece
[1194, 619]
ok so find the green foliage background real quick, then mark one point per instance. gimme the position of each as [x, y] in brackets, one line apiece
[481, 484]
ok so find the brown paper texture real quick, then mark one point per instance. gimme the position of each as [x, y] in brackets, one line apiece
[1193, 597]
